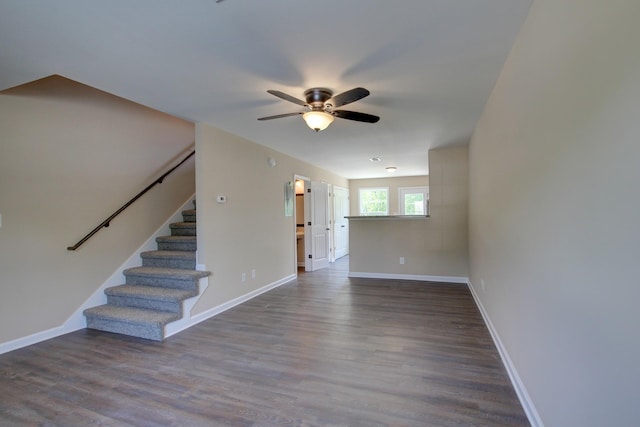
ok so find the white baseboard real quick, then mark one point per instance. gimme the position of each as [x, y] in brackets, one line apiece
[21, 342]
[422, 278]
[184, 323]
[77, 320]
[518, 385]
[189, 321]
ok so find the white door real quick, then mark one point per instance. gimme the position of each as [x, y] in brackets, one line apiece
[319, 225]
[340, 223]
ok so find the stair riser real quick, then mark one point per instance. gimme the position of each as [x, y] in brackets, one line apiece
[188, 218]
[150, 332]
[185, 264]
[169, 306]
[162, 282]
[182, 231]
[177, 246]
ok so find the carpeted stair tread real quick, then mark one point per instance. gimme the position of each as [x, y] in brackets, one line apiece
[189, 215]
[176, 239]
[190, 255]
[150, 292]
[176, 273]
[182, 225]
[183, 228]
[132, 315]
[177, 243]
[169, 259]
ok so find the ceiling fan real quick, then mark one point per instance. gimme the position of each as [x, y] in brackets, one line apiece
[321, 104]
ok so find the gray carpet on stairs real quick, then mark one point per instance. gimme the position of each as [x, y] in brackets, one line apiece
[154, 293]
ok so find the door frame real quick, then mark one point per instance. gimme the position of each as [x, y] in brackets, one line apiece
[334, 226]
[307, 231]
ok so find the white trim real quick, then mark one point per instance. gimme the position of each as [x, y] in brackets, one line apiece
[404, 191]
[187, 305]
[8, 346]
[301, 177]
[77, 320]
[190, 321]
[518, 385]
[332, 229]
[361, 189]
[423, 278]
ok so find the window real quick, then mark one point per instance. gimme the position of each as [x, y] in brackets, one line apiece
[413, 200]
[374, 201]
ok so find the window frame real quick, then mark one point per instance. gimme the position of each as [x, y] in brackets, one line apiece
[404, 191]
[361, 190]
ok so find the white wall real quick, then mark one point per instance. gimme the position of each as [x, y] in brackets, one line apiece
[251, 230]
[70, 155]
[554, 224]
[433, 248]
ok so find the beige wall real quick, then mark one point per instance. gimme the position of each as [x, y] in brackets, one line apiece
[70, 155]
[392, 183]
[554, 224]
[250, 231]
[436, 246]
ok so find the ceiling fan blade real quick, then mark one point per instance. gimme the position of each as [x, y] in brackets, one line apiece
[286, 97]
[354, 115]
[278, 116]
[349, 96]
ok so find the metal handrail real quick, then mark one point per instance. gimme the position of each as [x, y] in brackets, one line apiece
[107, 221]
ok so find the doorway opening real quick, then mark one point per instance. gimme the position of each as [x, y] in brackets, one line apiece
[303, 206]
[300, 184]
[321, 227]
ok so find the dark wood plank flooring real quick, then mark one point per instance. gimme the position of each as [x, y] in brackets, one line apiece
[324, 350]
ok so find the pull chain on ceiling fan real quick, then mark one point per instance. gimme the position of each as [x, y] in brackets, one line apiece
[321, 104]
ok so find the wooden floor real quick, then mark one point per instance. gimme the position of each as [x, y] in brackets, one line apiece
[323, 350]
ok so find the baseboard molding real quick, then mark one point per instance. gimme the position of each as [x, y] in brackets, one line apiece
[77, 320]
[21, 342]
[518, 385]
[422, 278]
[184, 323]
[205, 315]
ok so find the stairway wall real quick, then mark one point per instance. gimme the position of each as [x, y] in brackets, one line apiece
[77, 320]
[71, 155]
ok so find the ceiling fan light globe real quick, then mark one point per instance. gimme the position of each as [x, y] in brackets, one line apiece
[317, 120]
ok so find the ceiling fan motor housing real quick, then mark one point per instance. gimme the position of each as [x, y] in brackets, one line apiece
[316, 97]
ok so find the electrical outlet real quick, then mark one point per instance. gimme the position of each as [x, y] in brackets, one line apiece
[244, 277]
[253, 273]
[401, 260]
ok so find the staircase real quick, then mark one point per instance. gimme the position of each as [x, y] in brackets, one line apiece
[153, 294]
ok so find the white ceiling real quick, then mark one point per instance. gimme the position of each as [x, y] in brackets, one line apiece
[429, 64]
